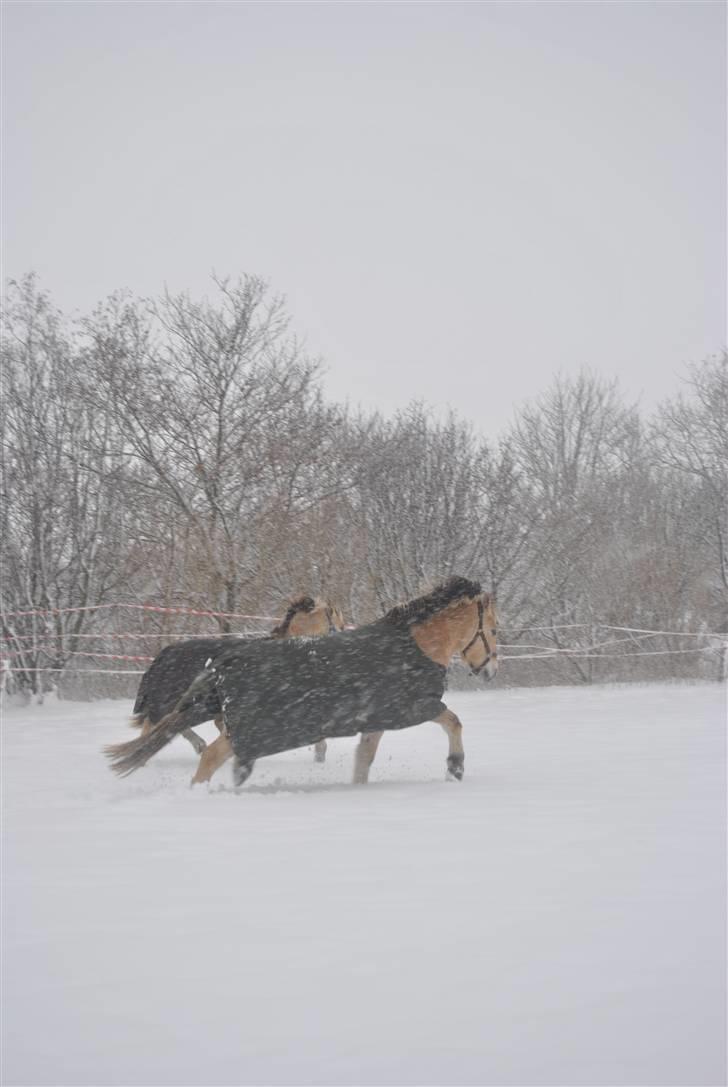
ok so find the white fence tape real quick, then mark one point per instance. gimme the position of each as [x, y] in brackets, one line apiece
[544, 652]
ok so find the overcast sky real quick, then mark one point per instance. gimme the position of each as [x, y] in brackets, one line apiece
[457, 200]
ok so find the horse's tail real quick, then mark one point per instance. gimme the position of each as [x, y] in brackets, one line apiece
[140, 702]
[128, 757]
[195, 706]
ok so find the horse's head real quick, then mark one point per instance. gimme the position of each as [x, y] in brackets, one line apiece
[309, 617]
[478, 629]
[456, 617]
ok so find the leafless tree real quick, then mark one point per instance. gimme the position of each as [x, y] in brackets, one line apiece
[221, 408]
[61, 528]
[417, 503]
[691, 438]
[575, 447]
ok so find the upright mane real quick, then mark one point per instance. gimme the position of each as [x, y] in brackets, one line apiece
[442, 596]
[300, 604]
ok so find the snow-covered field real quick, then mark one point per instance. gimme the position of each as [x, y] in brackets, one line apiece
[557, 918]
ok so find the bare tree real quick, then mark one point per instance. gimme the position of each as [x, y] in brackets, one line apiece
[691, 438]
[575, 447]
[416, 499]
[221, 408]
[61, 527]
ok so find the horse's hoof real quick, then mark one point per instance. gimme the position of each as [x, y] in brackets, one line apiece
[241, 773]
[319, 756]
[456, 767]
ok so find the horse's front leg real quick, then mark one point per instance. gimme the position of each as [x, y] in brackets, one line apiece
[366, 749]
[319, 751]
[456, 755]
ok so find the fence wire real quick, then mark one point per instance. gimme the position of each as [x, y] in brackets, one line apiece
[36, 654]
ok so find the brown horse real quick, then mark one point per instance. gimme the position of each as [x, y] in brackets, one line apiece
[169, 675]
[369, 741]
[387, 675]
[435, 638]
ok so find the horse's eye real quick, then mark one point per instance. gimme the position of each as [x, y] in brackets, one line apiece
[493, 631]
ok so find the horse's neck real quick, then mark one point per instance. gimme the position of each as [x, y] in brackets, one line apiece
[437, 638]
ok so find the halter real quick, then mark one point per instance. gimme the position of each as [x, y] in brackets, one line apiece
[479, 634]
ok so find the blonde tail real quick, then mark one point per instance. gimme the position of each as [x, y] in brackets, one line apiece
[128, 757]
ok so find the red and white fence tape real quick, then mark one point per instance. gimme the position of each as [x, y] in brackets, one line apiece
[151, 636]
[276, 619]
[78, 653]
[80, 671]
[139, 607]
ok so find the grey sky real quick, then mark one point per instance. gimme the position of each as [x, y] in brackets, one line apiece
[457, 199]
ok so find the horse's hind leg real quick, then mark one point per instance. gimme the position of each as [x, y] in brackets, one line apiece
[214, 755]
[366, 749]
[197, 742]
[189, 734]
[456, 756]
[319, 751]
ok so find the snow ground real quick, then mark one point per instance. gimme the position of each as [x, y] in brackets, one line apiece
[557, 918]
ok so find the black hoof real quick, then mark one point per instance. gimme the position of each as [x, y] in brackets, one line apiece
[241, 772]
[456, 766]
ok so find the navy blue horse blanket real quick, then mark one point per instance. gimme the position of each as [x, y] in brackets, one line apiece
[171, 673]
[275, 696]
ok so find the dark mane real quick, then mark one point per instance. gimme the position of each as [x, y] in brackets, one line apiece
[449, 592]
[301, 603]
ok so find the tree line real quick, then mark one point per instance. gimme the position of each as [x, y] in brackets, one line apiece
[182, 452]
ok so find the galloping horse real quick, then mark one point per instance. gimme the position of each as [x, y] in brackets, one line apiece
[171, 671]
[389, 674]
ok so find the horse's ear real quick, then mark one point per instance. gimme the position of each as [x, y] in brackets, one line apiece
[490, 604]
[335, 616]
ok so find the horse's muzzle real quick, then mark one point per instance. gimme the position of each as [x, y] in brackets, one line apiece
[490, 669]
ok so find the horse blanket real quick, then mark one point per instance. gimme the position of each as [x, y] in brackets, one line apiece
[276, 696]
[171, 672]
